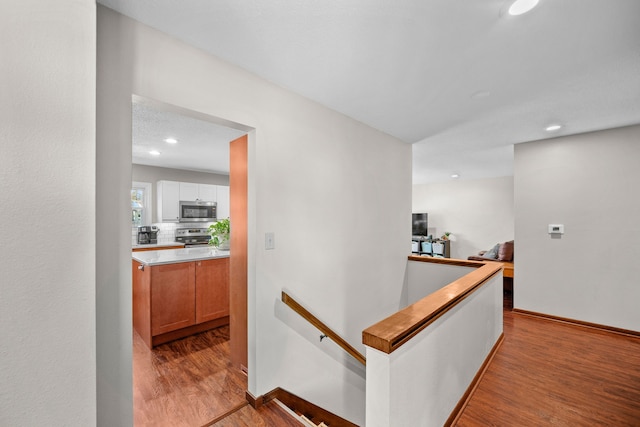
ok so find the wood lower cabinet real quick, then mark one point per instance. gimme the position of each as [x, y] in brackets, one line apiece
[212, 289]
[173, 297]
[172, 301]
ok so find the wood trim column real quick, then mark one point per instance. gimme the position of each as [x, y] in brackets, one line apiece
[238, 199]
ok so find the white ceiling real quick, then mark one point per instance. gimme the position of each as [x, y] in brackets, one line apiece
[462, 80]
[202, 145]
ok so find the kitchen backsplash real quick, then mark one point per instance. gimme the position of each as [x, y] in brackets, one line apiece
[167, 230]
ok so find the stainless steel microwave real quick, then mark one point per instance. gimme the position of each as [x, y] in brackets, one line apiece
[197, 211]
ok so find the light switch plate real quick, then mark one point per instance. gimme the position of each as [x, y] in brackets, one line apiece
[269, 241]
[556, 228]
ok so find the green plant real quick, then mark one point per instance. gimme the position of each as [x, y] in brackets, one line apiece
[219, 232]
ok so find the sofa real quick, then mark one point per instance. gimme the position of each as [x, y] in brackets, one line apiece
[501, 252]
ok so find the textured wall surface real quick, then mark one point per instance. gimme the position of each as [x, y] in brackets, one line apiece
[47, 213]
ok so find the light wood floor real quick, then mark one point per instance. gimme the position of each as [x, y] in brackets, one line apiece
[190, 383]
[187, 383]
[548, 373]
[545, 374]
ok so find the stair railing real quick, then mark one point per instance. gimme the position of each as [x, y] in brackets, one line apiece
[326, 331]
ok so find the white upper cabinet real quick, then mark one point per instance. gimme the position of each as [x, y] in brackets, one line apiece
[207, 192]
[168, 198]
[190, 191]
[170, 193]
[222, 207]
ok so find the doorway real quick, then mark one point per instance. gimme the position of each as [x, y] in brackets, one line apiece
[163, 376]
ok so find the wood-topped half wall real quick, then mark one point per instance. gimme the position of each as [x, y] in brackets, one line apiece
[392, 332]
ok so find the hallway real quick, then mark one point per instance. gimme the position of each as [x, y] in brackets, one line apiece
[552, 373]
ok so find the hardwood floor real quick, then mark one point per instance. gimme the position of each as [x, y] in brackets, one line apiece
[550, 373]
[545, 373]
[269, 415]
[187, 383]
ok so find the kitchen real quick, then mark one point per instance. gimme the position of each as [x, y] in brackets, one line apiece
[181, 284]
[178, 292]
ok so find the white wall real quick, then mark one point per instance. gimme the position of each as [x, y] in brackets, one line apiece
[47, 178]
[436, 366]
[424, 278]
[479, 213]
[337, 195]
[589, 183]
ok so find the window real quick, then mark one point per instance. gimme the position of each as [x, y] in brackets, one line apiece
[140, 204]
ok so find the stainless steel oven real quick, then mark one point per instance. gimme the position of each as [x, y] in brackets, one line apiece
[192, 236]
[197, 211]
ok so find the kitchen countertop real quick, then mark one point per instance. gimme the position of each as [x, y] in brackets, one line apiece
[172, 256]
[157, 245]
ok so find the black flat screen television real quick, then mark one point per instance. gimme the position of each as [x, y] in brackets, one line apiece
[420, 224]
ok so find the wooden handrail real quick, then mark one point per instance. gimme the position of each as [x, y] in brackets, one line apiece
[394, 331]
[295, 306]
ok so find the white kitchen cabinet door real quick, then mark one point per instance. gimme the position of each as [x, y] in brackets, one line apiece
[168, 198]
[189, 191]
[207, 192]
[223, 202]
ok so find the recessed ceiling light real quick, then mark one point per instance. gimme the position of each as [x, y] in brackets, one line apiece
[522, 6]
[553, 128]
[171, 141]
[455, 175]
[154, 152]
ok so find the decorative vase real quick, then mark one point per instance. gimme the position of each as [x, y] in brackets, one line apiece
[224, 244]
